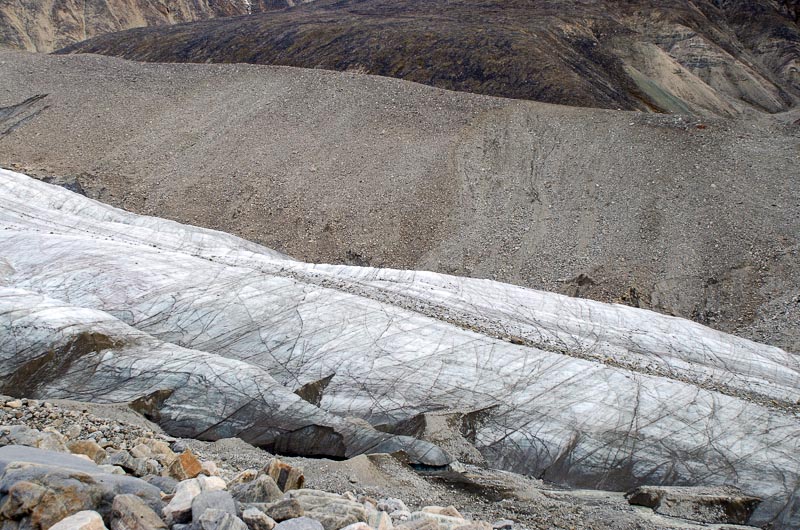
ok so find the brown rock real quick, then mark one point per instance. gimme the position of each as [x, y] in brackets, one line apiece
[185, 466]
[285, 476]
[285, 509]
[449, 511]
[88, 448]
[84, 520]
[129, 512]
[255, 519]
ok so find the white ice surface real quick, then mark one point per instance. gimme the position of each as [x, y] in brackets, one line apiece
[576, 391]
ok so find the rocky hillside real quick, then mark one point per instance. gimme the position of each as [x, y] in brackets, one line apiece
[47, 25]
[211, 336]
[665, 56]
[690, 218]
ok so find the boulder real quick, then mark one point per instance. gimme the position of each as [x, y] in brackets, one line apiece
[333, 511]
[185, 466]
[244, 476]
[255, 519]
[284, 509]
[220, 520]
[426, 520]
[358, 526]
[129, 512]
[391, 505]
[179, 509]
[84, 520]
[261, 489]
[89, 448]
[139, 467]
[165, 484]
[47, 486]
[22, 435]
[285, 476]
[449, 511]
[718, 505]
[379, 520]
[219, 500]
[300, 523]
[155, 449]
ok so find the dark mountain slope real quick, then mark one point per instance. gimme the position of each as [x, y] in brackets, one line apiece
[46, 25]
[672, 56]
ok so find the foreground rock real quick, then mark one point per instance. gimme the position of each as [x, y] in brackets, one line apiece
[571, 390]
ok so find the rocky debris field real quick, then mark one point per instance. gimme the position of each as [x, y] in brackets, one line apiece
[64, 467]
[685, 216]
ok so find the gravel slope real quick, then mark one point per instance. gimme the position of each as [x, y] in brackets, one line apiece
[697, 220]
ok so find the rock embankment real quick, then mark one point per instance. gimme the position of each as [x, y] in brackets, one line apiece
[69, 470]
[73, 465]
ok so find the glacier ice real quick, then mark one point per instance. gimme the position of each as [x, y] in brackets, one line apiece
[214, 335]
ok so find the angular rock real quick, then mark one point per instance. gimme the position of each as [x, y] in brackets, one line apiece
[358, 526]
[22, 497]
[262, 489]
[503, 524]
[379, 520]
[165, 484]
[185, 466]
[285, 476]
[300, 523]
[154, 449]
[179, 509]
[391, 505]
[244, 476]
[139, 467]
[442, 522]
[70, 485]
[89, 448]
[255, 519]
[83, 520]
[333, 511]
[449, 511]
[220, 520]
[23, 435]
[219, 500]
[284, 509]
[129, 512]
[719, 505]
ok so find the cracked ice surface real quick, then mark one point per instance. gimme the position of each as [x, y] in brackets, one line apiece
[576, 391]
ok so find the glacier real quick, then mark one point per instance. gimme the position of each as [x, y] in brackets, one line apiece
[214, 336]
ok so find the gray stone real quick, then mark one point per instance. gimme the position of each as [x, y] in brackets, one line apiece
[391, 505]
[333, 511]
[284, 509]
[261, 489]
[179, 509]
[219, 500]
[721, 505]
[220, 520]
[83, 520]
[23, 435]
[165, 484]
[129, 512]
[71, 485]
[135, 466]
[300, 523]
[255, 519]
